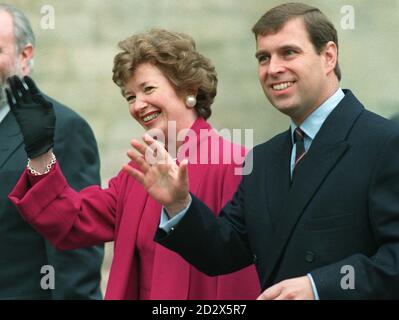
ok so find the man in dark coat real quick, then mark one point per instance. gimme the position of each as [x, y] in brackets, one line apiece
[30, 268]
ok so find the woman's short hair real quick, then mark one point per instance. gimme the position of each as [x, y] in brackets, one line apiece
[177, 58]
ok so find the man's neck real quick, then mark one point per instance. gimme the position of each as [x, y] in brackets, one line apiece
[330, 91]
[314, 121]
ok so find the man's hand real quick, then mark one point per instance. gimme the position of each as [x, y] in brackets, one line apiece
[34, 114]
[291, 289]
[162, 178]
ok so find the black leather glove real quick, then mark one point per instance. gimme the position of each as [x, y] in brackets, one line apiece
[34, 114]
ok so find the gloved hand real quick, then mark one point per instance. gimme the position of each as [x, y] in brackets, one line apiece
[34, 114]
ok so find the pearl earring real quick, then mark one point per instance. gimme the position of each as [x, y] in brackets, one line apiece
[191, 101]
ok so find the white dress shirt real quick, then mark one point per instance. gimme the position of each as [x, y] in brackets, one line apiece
[4, 111]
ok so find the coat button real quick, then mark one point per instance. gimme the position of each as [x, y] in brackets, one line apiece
[310, 256]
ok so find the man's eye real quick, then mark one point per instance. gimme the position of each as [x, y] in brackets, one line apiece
[290, 52]
[263, 58]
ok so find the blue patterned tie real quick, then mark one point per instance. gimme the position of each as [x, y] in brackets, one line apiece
[299, 142]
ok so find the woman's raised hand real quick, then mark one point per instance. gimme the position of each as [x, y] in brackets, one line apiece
[158, 172]
[34, 114]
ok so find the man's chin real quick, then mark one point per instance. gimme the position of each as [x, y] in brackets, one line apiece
[282, 104]
[286, 108]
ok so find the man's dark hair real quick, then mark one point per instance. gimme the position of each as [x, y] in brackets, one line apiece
[319, 27]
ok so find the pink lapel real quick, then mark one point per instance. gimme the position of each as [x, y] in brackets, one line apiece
[123, 279]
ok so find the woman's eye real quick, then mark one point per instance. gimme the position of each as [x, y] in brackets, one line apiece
[149, 89]
[130, 98]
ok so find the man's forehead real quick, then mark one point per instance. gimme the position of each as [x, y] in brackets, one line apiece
[5, 16]
[291, 32]
[6, 23]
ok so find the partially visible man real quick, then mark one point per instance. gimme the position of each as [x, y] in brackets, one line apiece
[23, 252]
[319, 213]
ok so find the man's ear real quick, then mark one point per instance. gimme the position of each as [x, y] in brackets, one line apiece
[24, 57]
[330, 54]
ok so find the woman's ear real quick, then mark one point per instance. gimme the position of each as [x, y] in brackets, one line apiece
[190, 98]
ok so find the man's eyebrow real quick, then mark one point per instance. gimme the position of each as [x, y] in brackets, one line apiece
[260, 52]
[290, 47]
[282, 48]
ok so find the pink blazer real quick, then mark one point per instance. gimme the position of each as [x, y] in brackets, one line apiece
[124, 213]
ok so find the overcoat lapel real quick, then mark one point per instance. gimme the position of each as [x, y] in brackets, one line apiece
[10, 138]
[278, 178]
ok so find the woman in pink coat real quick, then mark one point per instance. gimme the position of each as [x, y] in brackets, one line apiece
[169, 88]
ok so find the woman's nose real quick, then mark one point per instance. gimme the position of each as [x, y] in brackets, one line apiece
[140, 104]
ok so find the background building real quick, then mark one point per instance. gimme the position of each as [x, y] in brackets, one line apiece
[74, 60]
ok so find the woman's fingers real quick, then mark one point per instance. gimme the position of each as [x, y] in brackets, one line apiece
[138, 146]
[11, 101]
[148, 139]
[152, 151]
[139, 160]
[31, 85]
[134, 173]
[157, 151]
[182, 175]
[13, 84]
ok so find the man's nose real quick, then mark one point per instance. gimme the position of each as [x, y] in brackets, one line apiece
[276, 66]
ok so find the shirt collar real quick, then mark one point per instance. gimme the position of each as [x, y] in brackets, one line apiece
[315, 120]
[4, 111]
